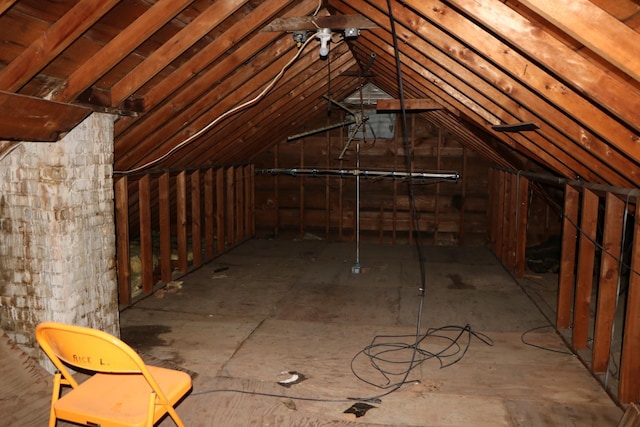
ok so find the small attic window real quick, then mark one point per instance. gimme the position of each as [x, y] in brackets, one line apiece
[380, 125]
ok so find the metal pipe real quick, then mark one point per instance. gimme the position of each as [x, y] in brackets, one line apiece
[449, 176]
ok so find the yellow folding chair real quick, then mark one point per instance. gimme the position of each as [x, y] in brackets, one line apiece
[122, 391]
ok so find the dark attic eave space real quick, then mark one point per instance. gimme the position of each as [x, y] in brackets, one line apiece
[180, 69]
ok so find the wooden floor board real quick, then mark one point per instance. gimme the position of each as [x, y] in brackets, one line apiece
[271, 306]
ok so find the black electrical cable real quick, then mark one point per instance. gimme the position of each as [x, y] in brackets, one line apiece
[258, 393]
[407, 147]
[528, 331]
[378, 352]
[405, 142]
[382, 355]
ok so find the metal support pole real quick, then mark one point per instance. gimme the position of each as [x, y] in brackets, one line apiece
[356, 267]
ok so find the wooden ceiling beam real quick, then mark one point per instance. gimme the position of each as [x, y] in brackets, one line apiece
[311, 23]
[520, 143]
[295, 102]
[549, 144]
[119, 47]
[147, 128]
[585, 114]
[170, 50]
[199, 88]
[53, 41]
[6, 4]
[26, 118]
[419, 59]
[187, 115]
[410, 104]
[213, 51]
[209, 144]
[599, 31]
[616, 96]
[447, 119]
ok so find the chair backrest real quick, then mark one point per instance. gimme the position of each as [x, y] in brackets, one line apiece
[87, 348]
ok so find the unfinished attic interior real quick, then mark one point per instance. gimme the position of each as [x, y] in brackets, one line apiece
[245, 189]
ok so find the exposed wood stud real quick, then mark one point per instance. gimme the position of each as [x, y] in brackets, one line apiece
[512, 221]
[196, 215]
[491, 213]
[629, 383]
[412, 213]
[607, 299]
[500, 196]
[239, 204]
[566, 279]
[122, 224]
[463, 194]
[252, 200]
[146, 235]
[436, 210]
[181, 221]
[220, 210]
[522, 210]
[276, 190]
[301, 191]
[327, 187]
[584, 280]
[209, 213]
[231, 207]
[164, 209]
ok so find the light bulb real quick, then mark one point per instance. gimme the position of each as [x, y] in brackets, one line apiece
[324, 35]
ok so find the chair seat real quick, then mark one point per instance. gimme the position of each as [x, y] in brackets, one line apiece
[120, 399]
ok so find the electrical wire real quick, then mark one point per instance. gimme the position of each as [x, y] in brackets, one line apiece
[379, 354]
[539, 346]
[223, 115]
[276, 395]
[382, 355]
[620, 259]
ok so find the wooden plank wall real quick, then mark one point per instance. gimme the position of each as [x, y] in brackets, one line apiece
[508, 216]
[598, 296]
[449, 213]
[160, 217]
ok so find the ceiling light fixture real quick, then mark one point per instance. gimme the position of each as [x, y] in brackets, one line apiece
[324, 35]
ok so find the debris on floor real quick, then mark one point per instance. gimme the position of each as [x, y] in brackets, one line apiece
[174, 285]
[359, 409]
[291, 378]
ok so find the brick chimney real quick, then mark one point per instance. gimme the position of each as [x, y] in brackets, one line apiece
[57, 233]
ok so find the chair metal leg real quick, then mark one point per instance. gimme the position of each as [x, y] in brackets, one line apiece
[55, 395]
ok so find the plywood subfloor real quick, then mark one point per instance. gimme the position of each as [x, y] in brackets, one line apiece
[270, 306]
[25, 388]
